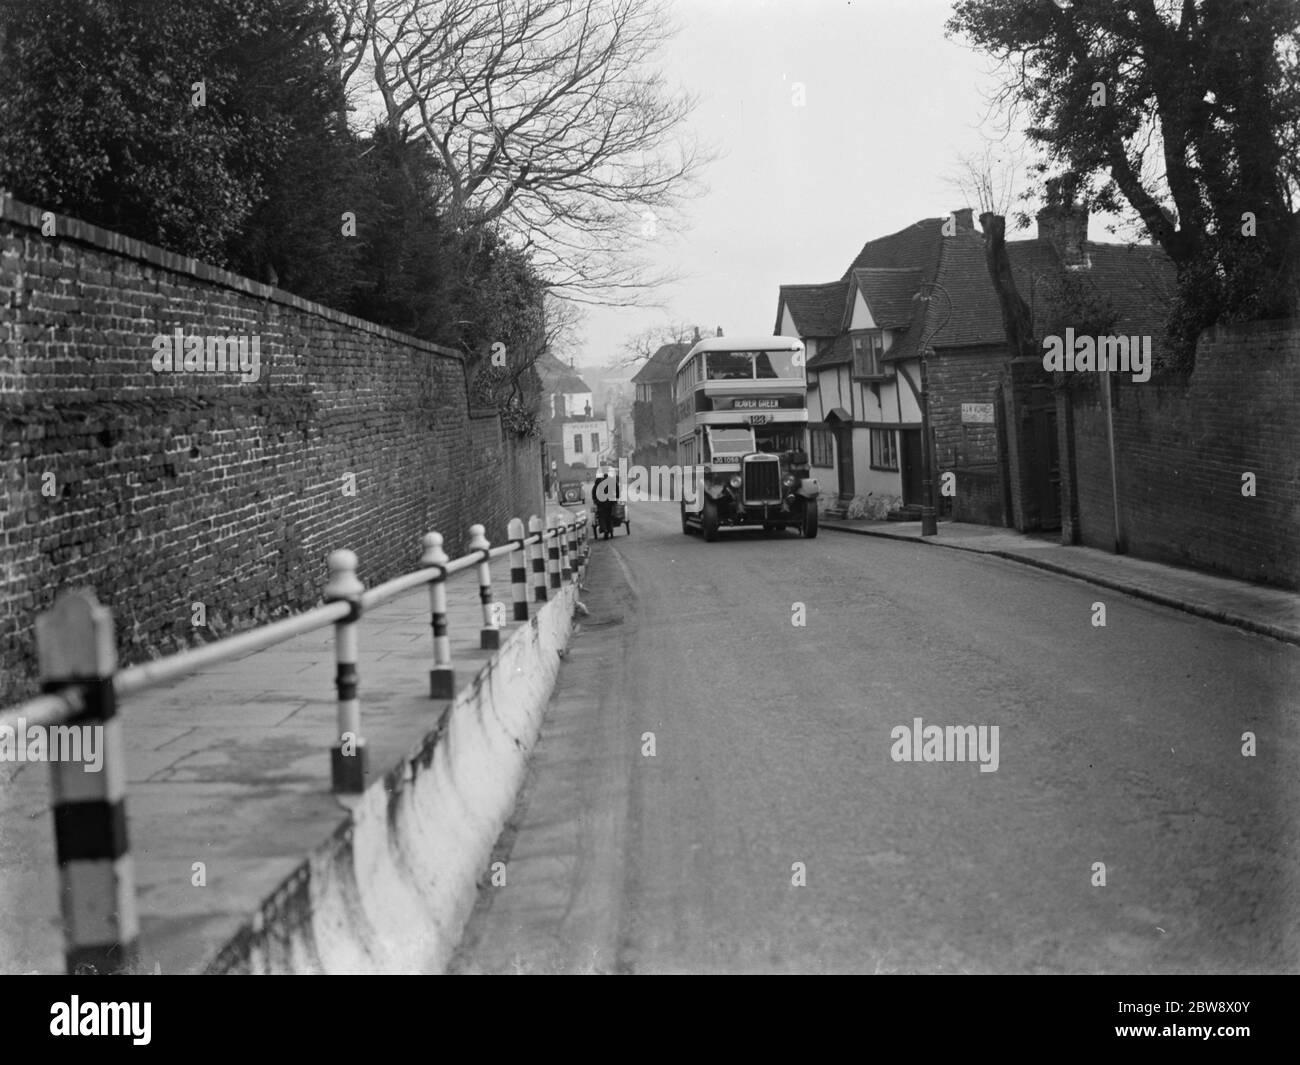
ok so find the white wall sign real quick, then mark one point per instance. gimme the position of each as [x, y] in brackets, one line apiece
[980, 413]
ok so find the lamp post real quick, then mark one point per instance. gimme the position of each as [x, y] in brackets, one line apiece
[929, 520]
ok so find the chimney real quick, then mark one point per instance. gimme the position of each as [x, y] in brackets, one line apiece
[697, 334]
[964, 219]
[719, 330]
[1064, 224]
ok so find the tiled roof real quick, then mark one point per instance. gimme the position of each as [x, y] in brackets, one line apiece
[1136, 279]
[817, 310]
[912, 247]
[550, 368]
[888, 292]
[662, 365]
[914, 250]
[1139, 281]
[971, 309]
[832, 353]
[571, 384]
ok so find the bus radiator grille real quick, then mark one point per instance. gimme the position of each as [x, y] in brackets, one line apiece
[762, 482]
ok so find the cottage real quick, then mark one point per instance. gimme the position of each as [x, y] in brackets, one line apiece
[927, 289]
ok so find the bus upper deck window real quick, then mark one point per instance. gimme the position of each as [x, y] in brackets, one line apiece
[779, 364]
[763, 368]
[731, 366]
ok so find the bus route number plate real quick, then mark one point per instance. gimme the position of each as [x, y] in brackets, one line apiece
[759, 419]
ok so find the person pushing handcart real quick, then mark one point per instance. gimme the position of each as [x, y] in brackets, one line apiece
[611, 510]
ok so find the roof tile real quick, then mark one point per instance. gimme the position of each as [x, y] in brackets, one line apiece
[817, 310]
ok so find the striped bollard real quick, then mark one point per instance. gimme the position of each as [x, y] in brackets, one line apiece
[574, 561]
[489, 635]
[348, 762]
[537, 550]
[442, 678]
[562, 534]
[74, 644]
[553, 556]
[518, 569]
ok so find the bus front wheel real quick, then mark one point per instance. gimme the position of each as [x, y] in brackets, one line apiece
[809, 526]
[709, 521]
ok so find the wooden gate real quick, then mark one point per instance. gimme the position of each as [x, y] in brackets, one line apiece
[1044, 480]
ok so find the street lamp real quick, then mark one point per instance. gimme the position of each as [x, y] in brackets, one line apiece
[929, 521]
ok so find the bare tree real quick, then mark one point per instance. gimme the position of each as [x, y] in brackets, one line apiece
[641, 346]
[989, 179]
[549, 119]
[554, 329]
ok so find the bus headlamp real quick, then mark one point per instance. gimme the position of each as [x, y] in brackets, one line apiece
[735, 481]
[789, 481]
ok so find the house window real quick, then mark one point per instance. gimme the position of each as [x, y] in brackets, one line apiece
[867, 349]
[595, 441]
[577, 443]
[884, 449]
[643, 393]
[822, 448]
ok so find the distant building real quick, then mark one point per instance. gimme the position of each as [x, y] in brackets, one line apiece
[654, 419]
[652, 405]
[576, 435]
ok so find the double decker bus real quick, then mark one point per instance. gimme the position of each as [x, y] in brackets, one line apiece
[742, 436]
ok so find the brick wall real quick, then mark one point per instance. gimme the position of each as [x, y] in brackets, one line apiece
[979, 497]
[160, 490]
[1182, 448]
[957, 376]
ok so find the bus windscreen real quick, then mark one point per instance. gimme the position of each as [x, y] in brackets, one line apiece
[729, 443]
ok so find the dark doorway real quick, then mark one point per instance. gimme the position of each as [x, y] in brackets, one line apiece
[1044, 460]
[913, 469]
[844, 458]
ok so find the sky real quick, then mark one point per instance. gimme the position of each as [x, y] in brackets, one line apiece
[889, 105]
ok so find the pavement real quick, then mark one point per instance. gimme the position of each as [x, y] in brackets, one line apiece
[1255, 607]
[228, 778]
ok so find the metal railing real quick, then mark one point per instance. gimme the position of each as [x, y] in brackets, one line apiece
[82, 686]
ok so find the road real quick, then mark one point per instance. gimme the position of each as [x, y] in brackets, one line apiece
[771, 830]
